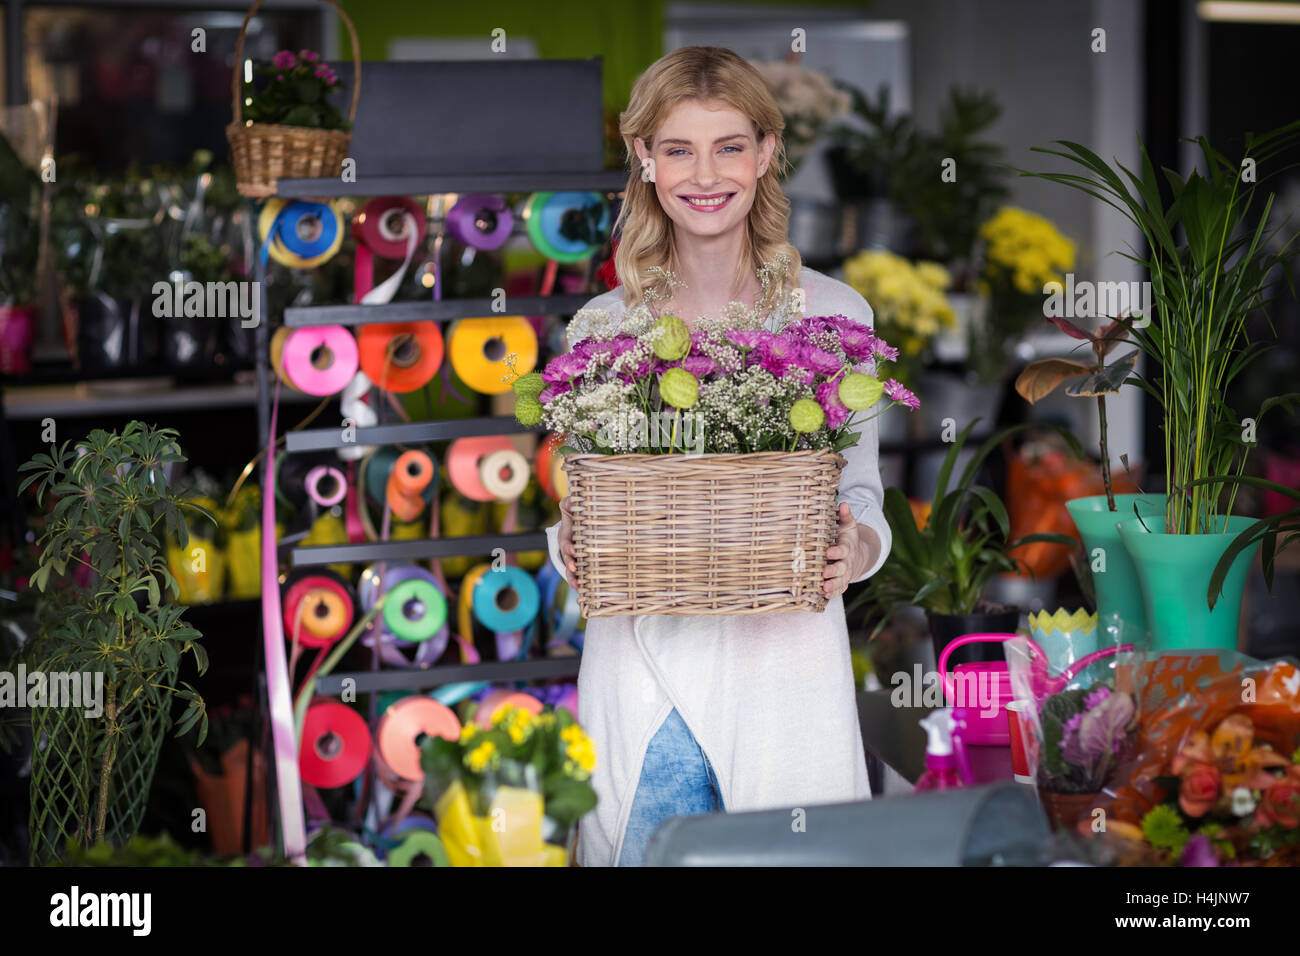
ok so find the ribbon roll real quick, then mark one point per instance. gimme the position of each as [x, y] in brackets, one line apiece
[376, 470]
[319, 607]
[546, 455]
[504, 474]
[401, 356]
[376, 580]
[415, 610]
[386, 225]
[454, 693]
[278, 338]
[480, 221]
[300, 234]
[559, 479]
[335, 745]
[319, 360]
[326, 486]
[465, 457]
[408, 721]
[419, 845]
[354, 404]
[480, 347]
[567, 226]
[411, 475]
[499, 698]
[506, 599]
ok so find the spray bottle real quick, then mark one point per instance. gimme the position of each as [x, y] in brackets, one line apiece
[946, 764]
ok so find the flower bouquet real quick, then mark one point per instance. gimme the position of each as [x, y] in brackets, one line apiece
[1023, 252]
[510, 795]
[1215, 778]
[808, 102]
[286, 127]
[703, 467]
[908, 300]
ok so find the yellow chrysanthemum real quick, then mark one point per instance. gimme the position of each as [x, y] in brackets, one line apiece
[468, 731]
[478, 758]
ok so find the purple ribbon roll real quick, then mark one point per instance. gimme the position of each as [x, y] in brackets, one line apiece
[379, 579]
[480, 221]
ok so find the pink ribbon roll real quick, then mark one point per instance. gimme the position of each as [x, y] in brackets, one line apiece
[338, 488]
[320, 360]
[480, 221]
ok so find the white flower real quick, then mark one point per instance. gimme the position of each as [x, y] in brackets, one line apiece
[1243, 802]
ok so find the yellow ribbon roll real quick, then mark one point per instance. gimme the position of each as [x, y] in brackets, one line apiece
[480, 348]
[306, 230]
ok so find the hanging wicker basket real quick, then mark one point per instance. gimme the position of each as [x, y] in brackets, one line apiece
[702, 534]
[263, 153]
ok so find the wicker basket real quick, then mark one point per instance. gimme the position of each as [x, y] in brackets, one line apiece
[702, 534]
[262, 153]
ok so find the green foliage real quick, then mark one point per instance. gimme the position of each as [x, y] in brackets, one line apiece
[111, 511]
[1209, 269]
[944, 566]
[294, 95]
[140, 850]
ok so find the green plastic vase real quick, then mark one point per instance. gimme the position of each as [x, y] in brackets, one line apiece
[1174, 571]
[1119, 596]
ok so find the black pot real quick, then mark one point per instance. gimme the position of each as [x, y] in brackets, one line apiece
[115, 334]
[946, 628]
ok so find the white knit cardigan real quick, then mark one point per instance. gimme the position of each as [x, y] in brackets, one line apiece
[769, 698]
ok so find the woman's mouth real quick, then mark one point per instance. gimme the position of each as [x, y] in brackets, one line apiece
[710, 203]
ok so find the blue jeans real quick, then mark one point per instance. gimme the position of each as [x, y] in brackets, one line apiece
[676, 780]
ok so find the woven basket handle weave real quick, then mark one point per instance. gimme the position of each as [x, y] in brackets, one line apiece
[236, 86]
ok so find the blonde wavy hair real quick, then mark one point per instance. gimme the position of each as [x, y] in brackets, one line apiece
[703, 73]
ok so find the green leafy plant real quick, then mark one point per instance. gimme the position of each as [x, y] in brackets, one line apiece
[19, 227]
[103, 561]
[1209, 269]
[879, 160]
[944, 564]
[294, 92]
[140, 850]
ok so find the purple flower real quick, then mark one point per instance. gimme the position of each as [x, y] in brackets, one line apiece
[1096, 697]
[310, 56]
[1199, 851]
[323, 72]
[828, 396]
[284, 60]
[699, 365]
[564, 367]
[881, 349]
[551, 392]
[857, 343]
[819, 360]
[1069, 727]
[746, 339]
[897, 393]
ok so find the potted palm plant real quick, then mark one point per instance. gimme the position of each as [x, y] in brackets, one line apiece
[943, 562]
[1209, 268]
[102, 574]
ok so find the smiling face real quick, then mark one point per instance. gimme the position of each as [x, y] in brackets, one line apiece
[707, 162]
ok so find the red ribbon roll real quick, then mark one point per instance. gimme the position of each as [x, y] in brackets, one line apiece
[298, 601]
[335, 745]
[464, 462]
[380, 230]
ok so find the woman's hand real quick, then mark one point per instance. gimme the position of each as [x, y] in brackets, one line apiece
[566, 539]
[851, 555]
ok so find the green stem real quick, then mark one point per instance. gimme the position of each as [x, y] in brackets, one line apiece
[1105, 454]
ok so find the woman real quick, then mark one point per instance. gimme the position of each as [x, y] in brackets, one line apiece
[697, 714]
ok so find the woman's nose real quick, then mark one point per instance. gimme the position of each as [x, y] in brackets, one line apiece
[705, 171]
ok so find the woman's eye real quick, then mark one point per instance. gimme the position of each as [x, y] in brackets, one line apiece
[739, 149]
[675, 150]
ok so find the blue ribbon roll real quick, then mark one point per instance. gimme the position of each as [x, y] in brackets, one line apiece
[506, 599]
[282, 240]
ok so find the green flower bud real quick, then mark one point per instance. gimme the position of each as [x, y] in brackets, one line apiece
[806, 415]
[673, 341]
[679, 388]
[529, 386]
[859, 392]
[528, 411]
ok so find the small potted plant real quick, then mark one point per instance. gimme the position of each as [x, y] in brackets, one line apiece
[1086, 733]
[1211, 262]
[534, 769]
[103, 575]
[284, 125]
[943, 562]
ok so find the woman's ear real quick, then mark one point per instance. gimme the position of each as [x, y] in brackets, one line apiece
[765, 150]
[647, 163]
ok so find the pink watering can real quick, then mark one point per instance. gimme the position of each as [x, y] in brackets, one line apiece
[989, 684]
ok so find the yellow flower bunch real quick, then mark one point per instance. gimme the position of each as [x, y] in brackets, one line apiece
[579, 750]
[515, 721]
[907, 299]
[1026, 248]
[482, 756]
